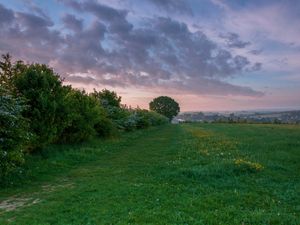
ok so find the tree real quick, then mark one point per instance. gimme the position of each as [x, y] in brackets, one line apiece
[107, 98]
[6, 71]
[165, 106]
[9, 71]
[111, 102]
[44, 93]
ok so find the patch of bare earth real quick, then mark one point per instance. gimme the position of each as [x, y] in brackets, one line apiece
[52, 188]
[15, 202]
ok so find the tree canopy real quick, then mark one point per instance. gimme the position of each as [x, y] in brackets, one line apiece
[165, 106]
[107, 98]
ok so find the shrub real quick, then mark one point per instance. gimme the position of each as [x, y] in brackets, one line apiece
[13, 133]
[107, 98]
[129, 123]
[126, 118]
[85, 116]
[118, 115]
[123, 118]
[157, 119]
[44, 93]
[143, 118]
[147, 118]
[105, 127]
[111, 102]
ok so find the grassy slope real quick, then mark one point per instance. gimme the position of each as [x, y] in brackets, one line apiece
[181, 174]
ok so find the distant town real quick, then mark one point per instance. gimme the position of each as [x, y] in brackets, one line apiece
[288, 117]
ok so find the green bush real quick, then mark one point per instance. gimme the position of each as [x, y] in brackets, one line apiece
[157, 119]
[129, 123]
[111, 102]
[143, 118]
[105, 127]
[44, 93]
[121, 118]
[107, 98]
[13, 133]
[147, 118]
[85, 117]
[126, 118]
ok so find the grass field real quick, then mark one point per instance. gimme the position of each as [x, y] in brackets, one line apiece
[175, 174]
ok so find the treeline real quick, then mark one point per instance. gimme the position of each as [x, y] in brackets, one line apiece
[36, 110]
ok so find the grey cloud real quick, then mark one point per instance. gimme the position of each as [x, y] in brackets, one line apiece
[257, 66]
[240, 62]
[6, 15]
[31, 21]
[162, 52]
[169, 58]
[82, 49]
[81, 80]
[71, 3]
[34, 8]
[29, 37]
[103, 12]
[171, 27]
[214, 87]
[180, 6]
[71, 22]
[256, 51]
[233, 40]
[114, 17]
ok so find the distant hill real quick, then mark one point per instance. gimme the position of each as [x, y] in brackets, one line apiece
[292, 117]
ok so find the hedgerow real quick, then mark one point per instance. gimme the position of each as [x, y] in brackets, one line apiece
[34, 101]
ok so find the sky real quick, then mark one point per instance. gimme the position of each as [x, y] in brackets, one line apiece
[209, 55]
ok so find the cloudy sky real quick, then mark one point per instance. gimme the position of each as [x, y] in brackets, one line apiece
[207, 54]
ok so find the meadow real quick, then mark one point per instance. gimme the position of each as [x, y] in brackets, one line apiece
[170, 174]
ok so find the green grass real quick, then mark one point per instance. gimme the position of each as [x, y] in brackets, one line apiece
[175, 174]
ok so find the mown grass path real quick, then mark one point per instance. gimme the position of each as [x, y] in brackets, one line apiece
[181, 174]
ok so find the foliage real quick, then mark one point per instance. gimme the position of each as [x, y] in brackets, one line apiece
[84, 113]
[145, 118]
[9, 71]
[157, 119]
[165, 106]
[129, 123]
[123, 117]
[105, 127]
[13, 132]
[119, 115]
[128, 119]
[6, 74]
[42, 88]
[107, 98]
